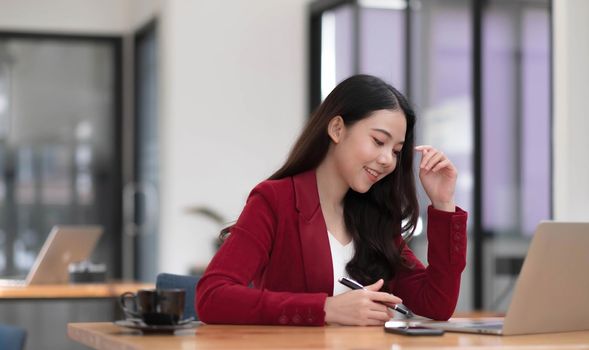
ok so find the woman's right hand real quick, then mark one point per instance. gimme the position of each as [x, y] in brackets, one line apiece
[366, 307]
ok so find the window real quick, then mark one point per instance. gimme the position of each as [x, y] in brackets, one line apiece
[478, 73]
[59, 143]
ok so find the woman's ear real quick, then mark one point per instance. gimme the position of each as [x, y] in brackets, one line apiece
[336, 128]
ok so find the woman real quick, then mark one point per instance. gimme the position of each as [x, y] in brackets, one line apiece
[337, 208]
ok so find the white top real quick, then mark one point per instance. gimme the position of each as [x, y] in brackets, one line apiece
[340, 256]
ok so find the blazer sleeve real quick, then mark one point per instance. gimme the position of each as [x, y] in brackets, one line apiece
[432, 291]
[223, 293]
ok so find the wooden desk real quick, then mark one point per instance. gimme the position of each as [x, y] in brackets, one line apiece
[108, 336]
[72, 291]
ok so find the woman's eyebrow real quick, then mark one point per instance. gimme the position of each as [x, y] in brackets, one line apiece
[388, 134]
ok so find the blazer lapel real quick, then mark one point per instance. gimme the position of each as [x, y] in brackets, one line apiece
[316, 253]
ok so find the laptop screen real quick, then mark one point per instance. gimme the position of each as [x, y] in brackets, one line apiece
[64, 245]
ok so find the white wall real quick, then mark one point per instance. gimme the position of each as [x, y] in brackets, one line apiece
[233, 82]
[66, 16]
[143, 11]
[571, 110]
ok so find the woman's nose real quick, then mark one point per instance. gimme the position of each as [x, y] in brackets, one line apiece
[385, 159]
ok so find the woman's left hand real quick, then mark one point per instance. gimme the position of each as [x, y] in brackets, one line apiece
[438, 177]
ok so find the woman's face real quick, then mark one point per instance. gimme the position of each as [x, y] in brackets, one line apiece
[368, 150]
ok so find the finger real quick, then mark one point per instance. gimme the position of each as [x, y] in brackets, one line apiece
[446, 163]
[386, 298]
[436, 158]
[380, 316]
[376, 286]
[372, 322]
[426, 157]
[422, 148]
[380, 307]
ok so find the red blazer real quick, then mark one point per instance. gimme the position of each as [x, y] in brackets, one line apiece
[280, 244]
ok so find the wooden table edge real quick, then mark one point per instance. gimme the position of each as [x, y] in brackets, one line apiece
[94, 339]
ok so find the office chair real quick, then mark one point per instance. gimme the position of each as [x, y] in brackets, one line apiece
[168, 281]
[12, 338]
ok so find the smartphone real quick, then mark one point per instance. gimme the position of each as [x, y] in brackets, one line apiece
[413, 330]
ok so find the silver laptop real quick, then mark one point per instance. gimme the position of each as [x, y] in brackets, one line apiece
[552, 291]
[64, 245]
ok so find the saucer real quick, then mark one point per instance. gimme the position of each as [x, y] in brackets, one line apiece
[138, 324]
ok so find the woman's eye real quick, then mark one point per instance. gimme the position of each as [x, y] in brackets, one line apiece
[396, 153]
[377, 141]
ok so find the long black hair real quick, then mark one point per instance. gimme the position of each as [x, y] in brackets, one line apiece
[374, 219]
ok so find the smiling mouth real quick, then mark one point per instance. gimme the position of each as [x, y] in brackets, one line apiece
[372, 173]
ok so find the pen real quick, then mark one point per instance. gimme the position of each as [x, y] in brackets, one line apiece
[350, 283]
